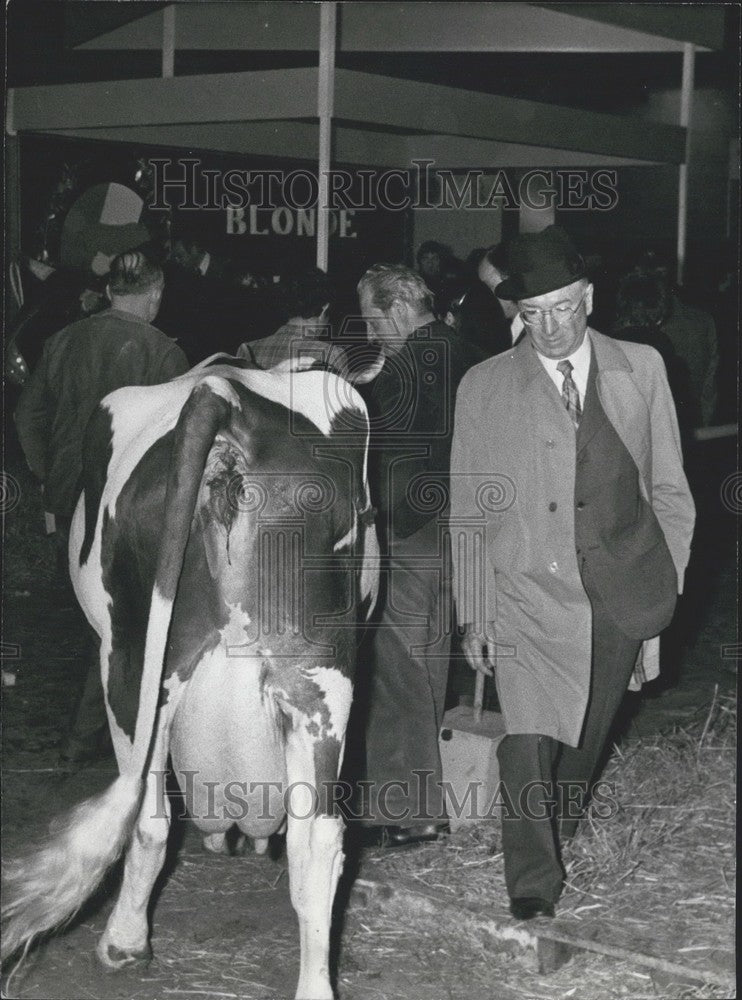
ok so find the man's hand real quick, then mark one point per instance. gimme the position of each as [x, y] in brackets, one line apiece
[479, 649]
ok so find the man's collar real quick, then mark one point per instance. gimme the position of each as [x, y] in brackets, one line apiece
[609, 355]
[578, 357]
[118, 311]
[427, 320]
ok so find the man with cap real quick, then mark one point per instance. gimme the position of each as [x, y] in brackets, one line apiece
[83, 363]
[566, 475]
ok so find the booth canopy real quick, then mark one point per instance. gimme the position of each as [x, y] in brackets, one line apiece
[378, 120]
[430, 27]
[342, 116]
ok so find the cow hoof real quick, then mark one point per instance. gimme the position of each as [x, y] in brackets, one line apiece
[261, 845]
[114, 959]
[221, 843]
[318, 991]
[215, 843]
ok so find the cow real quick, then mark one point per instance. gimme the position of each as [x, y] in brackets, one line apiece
[224, 551]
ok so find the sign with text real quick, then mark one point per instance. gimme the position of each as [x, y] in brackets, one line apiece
[267, 217]
[261, 215]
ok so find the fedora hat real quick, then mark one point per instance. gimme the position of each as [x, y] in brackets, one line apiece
[540, 263]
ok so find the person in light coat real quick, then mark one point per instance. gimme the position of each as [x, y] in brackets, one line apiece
[572, 520]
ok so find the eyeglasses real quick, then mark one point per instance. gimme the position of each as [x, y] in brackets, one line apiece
[560, 313]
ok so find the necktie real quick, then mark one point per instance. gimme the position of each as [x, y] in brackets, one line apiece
[570, 395]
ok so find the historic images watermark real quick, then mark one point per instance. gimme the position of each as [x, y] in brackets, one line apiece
[282, 506]
[731, 493]
[276, 199]
[269, 801]
[10, 493]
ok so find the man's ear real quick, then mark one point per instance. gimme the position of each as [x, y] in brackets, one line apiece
[399, 310]
[398, 313]
[589, 299]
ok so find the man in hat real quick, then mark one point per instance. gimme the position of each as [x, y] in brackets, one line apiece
[566, 474]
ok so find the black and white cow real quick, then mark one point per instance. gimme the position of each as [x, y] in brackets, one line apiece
[224, 551]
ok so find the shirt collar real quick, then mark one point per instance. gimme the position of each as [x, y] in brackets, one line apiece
[516, 327]
[580, 360]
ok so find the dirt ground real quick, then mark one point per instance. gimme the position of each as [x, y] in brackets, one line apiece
[224, 926]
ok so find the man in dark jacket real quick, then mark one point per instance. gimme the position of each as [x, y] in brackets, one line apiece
[485, 320]
[83, 363]
[79, 366]
[411, 412]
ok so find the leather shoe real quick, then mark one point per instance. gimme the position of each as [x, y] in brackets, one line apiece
[528, 907]
[400, 836]
[396, 837]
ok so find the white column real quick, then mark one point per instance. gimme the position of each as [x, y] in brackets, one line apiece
[168, 41]
[12, 200]
[325, 98]
[686, 103]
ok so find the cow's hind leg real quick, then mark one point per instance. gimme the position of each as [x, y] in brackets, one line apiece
[315, 851]
[125, 941]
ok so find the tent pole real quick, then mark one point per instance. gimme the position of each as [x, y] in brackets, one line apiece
[686, 101]
[12, 202]
[325, 97]
[168, 41]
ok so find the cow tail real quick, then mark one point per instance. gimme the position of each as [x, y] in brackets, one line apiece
[44, 890]
[207, 410]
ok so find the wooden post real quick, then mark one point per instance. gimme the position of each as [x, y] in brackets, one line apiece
[12, 202]
[168, 41]
[686, 107]
[325, 99]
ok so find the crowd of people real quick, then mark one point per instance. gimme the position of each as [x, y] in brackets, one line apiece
[552, 453]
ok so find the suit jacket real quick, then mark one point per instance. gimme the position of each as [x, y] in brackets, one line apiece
[624, 559]
[483, 322]
[512, 517]
[410, 405]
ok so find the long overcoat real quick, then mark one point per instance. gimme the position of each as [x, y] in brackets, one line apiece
[512, 517]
